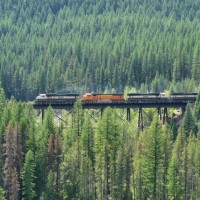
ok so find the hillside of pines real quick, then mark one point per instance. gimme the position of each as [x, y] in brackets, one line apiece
[88, 156]
[110, 46]
[90, 45]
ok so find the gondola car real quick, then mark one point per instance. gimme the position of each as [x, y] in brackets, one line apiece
[102, 98]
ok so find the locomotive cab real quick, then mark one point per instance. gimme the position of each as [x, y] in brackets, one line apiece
[41, 96]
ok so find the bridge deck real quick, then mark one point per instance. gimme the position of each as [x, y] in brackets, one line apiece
[133, 104]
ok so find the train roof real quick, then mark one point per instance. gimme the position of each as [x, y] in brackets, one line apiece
[184, 93]
[113, 94]
[54, 94]
[142, 94]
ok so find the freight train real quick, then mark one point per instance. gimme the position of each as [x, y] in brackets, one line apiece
[114, 98]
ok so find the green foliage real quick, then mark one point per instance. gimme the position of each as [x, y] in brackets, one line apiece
[2, 194]
[152, 157]
[50, 190]
[49, 122]
[197, 108]
[97, 158]
[28, 177]
[189, 122]
[107, 140]
[175, 181]
[71, 166]
[46, 46]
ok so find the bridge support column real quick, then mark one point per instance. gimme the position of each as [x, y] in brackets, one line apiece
[183, 110]
[128, 116]
[140, 119]
[165, 115]
[159, 113]
[42, 115]
[102, 112]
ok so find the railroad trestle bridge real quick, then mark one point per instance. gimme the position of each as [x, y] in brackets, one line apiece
[161, 106]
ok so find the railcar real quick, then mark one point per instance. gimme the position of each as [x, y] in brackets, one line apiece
[55, 98]
[102, 98]
[142, 97]
[185, 96]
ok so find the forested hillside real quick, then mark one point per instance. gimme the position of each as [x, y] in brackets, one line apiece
[86, 156]
[90, 45]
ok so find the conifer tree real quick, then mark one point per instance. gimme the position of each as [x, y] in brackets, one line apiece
[197, 164]
[50, 190]
[15, 186]
[28, 177]
[2, 100]
[107, 143]
[50, 152]
[139, 176]
[72, 155]
[57, 153]
[124, 165]
[175, 177]
[152, 158]
[87, 160]
[10, 175]
[197, 108]
[167, 151]
[2, 194]
[31, 141]
[192, 171]
[189, 122]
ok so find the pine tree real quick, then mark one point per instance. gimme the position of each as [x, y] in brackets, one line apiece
[50, 152]
[107, 143]
[2, 194]
[167, 151]
[31, 141]
[152, 159]
[50, 190]
[28, 177]
[10, 176]
[139, 176]
[189, 122]
[72, 155]
[57, 153]
[2, 100]
[124, 165]
[49, 127]
[175, 177]
[197, 164]
[197, 108]
[87, 160]
[15, 186]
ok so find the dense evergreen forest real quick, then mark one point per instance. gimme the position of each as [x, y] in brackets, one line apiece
[88, 156]
[98, 46]
[90, 45]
